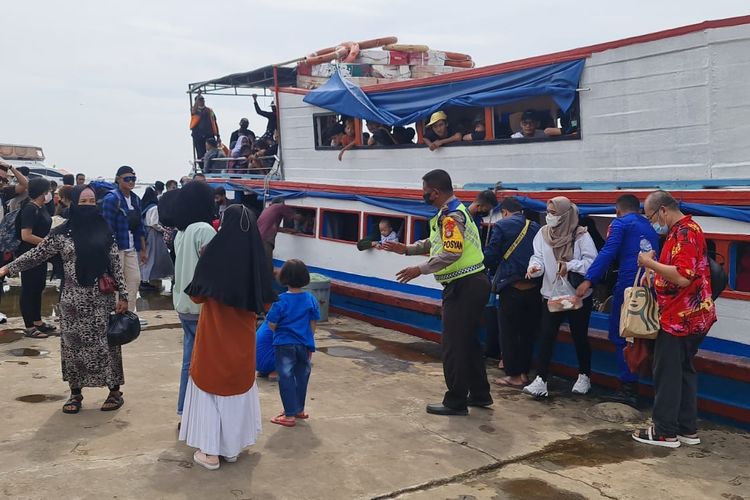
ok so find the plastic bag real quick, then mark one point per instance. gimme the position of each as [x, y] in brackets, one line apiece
[563, 297]
[123, 328]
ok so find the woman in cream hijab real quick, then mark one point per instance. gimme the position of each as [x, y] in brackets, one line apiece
[562, 247]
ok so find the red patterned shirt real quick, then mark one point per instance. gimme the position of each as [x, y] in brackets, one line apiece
[689, 310]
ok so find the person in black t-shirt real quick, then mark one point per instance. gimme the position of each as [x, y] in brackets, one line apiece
[439, 133]
[34, 223]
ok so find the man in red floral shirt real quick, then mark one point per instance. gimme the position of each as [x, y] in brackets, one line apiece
[683, 291]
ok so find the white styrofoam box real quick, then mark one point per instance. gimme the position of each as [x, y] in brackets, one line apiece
[310, 82]
[390, 71]
[429, 58]
[374, 57]
[324, 70]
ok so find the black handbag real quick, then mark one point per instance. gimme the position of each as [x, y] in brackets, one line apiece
[123, 328]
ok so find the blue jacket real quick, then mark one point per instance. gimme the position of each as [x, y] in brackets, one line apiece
[623, 244]
[115, 212]
[504, 233]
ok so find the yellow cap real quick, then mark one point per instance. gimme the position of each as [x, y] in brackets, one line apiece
[436, 117]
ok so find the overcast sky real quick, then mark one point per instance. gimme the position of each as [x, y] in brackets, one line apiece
[100, 84]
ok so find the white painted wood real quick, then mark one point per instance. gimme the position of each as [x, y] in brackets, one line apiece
[672, 109]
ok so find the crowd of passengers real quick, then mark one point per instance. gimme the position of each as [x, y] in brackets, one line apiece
[248, 152]
[440, 131]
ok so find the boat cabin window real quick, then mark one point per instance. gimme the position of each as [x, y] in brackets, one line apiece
[332, 131]
[538, 118]
[302, 223]
[420, 229]
[741, 267]
[395, 223]
[339, 225]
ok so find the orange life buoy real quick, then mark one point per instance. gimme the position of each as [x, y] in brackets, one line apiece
[457, 56]
[459, 64]
[377, 42]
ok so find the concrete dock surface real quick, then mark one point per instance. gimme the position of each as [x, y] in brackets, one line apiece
[368, 435]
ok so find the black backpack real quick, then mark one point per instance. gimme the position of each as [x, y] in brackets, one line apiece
[719, 278]
[10, 234]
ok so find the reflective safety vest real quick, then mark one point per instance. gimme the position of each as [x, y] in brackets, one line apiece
[445, 236]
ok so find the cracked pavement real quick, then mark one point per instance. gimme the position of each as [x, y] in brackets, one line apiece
[368, 436]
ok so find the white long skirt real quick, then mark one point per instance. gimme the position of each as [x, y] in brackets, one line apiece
[220, 425]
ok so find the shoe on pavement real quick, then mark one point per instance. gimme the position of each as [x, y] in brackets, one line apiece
[582, 385]
[627, 394]
[538, 388]
[688, 439]
[440, 409]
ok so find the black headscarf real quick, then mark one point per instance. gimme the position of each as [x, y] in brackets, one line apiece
[149, 199]
[92, 238]
[192, 203]
[232, 269]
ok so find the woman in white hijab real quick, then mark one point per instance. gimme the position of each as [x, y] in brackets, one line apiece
[562, 248]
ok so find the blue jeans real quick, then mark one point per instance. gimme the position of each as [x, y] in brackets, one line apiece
[625, 375]
[293, 367]
[189, 326]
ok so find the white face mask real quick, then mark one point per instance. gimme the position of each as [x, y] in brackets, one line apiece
[47, 197]
[553, 220]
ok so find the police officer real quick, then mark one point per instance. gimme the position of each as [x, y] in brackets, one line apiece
[456, 261]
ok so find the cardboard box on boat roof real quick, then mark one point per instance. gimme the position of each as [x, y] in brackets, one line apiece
[310, 82]
[382, 57]
[430, 58]
[391, 71]
[424, 71]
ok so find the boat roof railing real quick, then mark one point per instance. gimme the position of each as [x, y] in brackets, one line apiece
[261, 78]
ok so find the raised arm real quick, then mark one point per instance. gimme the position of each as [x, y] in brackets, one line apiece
[44, 251]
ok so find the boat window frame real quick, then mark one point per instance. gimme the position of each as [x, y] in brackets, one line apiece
[412, 220]
[726, 248]
[489, 113]
[321, 213]
[404, 218]
[291, 232]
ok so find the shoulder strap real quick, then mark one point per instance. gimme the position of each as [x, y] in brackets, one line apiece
[519, 238]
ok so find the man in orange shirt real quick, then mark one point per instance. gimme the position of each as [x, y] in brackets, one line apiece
[203, 126]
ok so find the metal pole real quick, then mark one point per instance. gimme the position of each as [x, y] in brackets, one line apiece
[195, 159]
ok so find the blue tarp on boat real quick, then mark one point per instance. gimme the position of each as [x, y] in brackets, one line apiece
[402, 107]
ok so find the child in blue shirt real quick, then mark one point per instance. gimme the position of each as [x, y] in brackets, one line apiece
[292, 319]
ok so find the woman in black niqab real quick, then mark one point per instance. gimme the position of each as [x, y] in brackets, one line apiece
[92, 238]
[232, 268]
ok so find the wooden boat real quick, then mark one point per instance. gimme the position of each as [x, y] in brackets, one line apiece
[662, 110]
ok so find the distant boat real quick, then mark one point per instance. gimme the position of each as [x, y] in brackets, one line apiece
[33, 158]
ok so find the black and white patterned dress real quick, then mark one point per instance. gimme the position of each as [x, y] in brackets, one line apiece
[87, 358]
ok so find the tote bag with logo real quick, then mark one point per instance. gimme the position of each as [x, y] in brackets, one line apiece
[639, 316]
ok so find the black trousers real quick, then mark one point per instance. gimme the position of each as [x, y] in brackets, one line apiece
[463, 365]
[492, 344]
[32, 286]
[579, 329]
[199, 143]
[675, 384]
[519, 314]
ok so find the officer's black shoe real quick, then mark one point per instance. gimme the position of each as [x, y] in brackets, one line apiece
[627, 394]
[439, 409]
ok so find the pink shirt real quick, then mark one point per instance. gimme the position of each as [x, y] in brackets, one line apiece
[270, 220]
